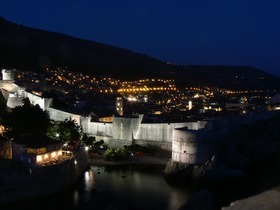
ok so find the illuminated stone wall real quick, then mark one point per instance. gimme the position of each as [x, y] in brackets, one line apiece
[15, 99]
[156, 132]
[122, 128]
[161, 131]
[58, 115]
[44, 103]
[100, 129]
[191, 146]
[12, 102]
[85, 123]
[126, 128]
[131, 130]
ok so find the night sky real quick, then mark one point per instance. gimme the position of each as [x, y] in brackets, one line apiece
[191, 32]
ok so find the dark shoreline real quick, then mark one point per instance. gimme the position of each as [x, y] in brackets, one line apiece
[98, 160]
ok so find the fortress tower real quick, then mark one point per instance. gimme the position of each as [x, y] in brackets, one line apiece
[7, 82]
[190, 146]
[7, 85]
[8, 74]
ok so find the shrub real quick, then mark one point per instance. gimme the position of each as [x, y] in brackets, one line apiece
[149, 149]
[116, 154]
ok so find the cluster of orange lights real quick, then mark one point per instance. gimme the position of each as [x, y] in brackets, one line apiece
[145, 89]
[48, 156]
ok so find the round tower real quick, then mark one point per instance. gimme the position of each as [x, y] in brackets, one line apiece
[190, 146]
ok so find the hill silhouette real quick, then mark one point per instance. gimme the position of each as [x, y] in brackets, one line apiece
[33, 49]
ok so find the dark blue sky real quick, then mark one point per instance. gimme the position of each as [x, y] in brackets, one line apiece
[195, 32]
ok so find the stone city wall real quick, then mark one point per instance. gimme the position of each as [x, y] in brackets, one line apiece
[13, 102]
[127, 131]
[59, 115]
[126, 128]
[100, 129]
[44, 103]
[122, 128]
[162, 131]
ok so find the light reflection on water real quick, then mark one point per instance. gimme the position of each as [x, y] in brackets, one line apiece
[89, 180]
[131, 188]
[126, 188]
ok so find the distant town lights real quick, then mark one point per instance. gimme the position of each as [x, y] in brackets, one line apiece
[190, 105]
[46, 156]
[131, 98]
[53, 154]
[39, 158]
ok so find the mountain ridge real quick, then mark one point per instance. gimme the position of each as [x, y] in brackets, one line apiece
[35, 49]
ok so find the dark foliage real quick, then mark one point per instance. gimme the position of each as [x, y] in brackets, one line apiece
[24, 121]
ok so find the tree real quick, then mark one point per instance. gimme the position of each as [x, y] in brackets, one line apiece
[3, 106]
[88, 140]
[68, 130]
[26, 120]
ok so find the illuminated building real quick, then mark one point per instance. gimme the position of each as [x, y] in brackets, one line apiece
[119, 105]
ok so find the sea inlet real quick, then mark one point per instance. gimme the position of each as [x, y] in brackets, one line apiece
[141, 187]
[126, 187]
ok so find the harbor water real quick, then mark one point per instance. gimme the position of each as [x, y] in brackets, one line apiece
[138, 187]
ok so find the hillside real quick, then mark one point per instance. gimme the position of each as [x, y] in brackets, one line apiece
[28, 48]
[32, 49]
[233, 77]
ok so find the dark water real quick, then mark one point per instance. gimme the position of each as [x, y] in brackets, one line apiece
[111, 187]
[143, 188]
